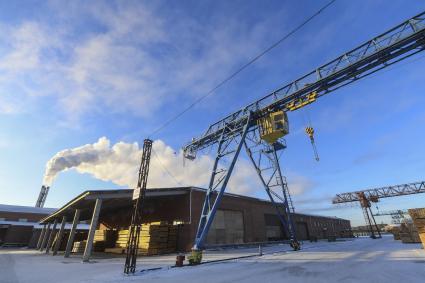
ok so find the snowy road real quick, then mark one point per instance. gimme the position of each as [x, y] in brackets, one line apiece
[362, 260]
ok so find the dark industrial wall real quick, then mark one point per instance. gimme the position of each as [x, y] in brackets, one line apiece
[18, 235]
[257, 226]
[164, 208]
[259, 221]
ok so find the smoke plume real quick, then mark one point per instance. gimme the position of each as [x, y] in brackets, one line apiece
[119, 164]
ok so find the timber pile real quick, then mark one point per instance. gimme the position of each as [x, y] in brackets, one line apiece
[395, 230]
[155, 238]
[409, 233]
[418, 217]
[79, 247]
[104, 239]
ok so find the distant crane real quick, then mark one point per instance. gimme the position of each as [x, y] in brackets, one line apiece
[365, 197]
[397, 216]
[260, 126]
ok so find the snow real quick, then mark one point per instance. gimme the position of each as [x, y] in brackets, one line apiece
[359, 260]
[26, 209]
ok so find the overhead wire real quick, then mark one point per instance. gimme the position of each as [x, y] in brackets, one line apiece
[240, 69]
[230, 77]
[371, 75]
[165, 168]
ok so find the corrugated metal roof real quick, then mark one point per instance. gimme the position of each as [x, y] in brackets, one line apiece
[26, 209]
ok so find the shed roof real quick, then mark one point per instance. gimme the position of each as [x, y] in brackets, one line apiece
[26, 209]
[113, 200]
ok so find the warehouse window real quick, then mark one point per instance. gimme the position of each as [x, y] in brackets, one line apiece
[23, 220]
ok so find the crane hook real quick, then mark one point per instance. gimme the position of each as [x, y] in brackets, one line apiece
[310, 132]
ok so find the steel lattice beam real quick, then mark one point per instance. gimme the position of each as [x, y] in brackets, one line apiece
[384, 192]
[398, 43]
[391, 213]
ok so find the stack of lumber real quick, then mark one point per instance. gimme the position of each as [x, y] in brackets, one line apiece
[418, 218]
[409, 233]
[155, 238]
[104, 239]
[79, 247]
[395, 230]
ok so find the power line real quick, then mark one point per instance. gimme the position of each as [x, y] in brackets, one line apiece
[243, 67]
[165, 168]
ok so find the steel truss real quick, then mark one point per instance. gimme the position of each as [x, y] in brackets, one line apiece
[265, 161]
[371, 223]
[394, 45]
[228, 149]
[397, 216]
[136, 218]
[383, 192]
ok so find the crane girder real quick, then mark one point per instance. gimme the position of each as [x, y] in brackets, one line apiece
[391, 213]
[380, 52]
[383, 192]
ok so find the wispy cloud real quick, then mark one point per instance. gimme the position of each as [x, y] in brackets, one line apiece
[129, 59]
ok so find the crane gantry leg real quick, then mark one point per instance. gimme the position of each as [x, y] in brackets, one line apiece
[228, 150]
[266, 163]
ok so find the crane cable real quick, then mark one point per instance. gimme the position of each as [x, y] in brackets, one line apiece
[309, 130]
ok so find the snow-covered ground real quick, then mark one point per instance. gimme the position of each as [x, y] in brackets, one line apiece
[360, 260]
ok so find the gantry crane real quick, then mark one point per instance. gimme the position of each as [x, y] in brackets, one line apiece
[397, 216]
[260, 126]
[365, 197]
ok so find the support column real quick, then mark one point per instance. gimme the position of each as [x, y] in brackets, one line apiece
[60, 236]
[40, 238]
[51, 236]
[72, 233]
[93, 226]
[45, 237]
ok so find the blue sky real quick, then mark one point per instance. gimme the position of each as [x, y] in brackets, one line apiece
[74, 71]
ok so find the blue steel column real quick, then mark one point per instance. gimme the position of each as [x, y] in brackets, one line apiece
[291, 225]
[204, 224]
[267, 189]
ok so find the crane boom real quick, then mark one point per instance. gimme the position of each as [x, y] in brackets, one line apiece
[383, 192]
[394, 45]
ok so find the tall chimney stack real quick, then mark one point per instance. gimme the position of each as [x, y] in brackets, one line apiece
[42, 196]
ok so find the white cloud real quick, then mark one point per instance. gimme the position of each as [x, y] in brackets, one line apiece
[126, 58]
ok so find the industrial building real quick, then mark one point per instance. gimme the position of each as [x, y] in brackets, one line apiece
[239, 220]
[18, 222]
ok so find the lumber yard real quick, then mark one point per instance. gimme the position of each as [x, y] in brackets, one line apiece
[228, 206]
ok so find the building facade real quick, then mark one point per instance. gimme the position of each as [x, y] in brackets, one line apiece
[18, 222]
[239, 220]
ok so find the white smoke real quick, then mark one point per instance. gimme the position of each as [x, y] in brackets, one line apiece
[119, 164]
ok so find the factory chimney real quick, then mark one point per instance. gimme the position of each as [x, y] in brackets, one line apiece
[42, 196]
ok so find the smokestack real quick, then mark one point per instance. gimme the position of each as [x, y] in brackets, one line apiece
[42, 196]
